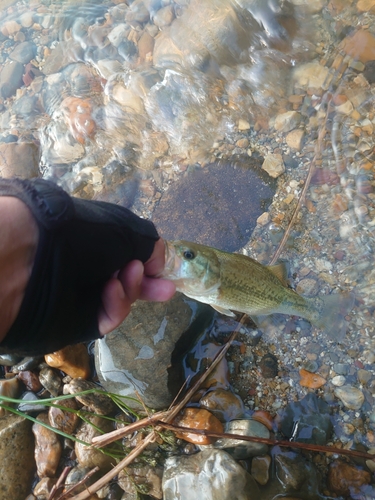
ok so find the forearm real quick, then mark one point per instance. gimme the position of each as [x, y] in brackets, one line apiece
[18, 243]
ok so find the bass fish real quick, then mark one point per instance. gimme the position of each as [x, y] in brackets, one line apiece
[233, 282]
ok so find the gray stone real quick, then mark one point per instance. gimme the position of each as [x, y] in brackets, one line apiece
[91, 457]
[244, 449]
[210, 474]
[16, 457]
[19, 160]
[136, 356]
[24, 52]
[63, 54]
[10, 78]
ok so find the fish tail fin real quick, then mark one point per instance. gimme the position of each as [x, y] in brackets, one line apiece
[331, 311]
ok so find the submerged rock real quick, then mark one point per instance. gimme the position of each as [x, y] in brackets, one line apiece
[307, 420]
[207, 204]
[135, 358]
[210, 474]
[244, 449]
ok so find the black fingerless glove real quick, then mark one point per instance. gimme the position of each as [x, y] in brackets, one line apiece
[81, 244]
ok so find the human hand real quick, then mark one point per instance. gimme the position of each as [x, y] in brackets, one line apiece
[135, 281]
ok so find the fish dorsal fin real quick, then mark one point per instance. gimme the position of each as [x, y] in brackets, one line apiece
[280, 270]
[222, 310]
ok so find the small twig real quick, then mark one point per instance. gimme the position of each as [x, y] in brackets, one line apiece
[81, 481]
[60, 483]
[302, 196]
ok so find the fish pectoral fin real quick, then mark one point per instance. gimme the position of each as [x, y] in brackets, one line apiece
[222, 310]
[281, 271]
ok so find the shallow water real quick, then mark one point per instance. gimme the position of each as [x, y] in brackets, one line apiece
[117, 102]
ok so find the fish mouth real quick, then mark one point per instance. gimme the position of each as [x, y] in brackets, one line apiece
[172, 265]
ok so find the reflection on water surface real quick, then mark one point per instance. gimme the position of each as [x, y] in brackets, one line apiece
[115, 100]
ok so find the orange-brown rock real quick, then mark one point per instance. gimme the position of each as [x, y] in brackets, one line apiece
[73, 360]
[225, 405]
[195, 418]
[264, 417]
[366, 6]
[77, 114]
[311, 380]
[360, 46]
[344, 479]
[48, 448]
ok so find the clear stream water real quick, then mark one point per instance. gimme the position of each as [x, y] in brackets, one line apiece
[117, 101]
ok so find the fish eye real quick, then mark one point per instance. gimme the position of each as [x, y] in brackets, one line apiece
[189, 254]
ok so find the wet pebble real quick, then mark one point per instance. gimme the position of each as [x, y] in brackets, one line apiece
[344, 478]
[341, 368]
[225, 405]
[196, 418]
[44, 487]
[296, 474]
[31, 380]
[19, 159]
[76, 475]
[73, 360]
[9, 359]
[287, 121]
[64, 420]
[146, 477]
[260, 467]
[308, 287]
[51, 380]
[91, 457]
[274, 165]
[97, 402]
[9, 387]
[48, 448]
[364, 376]
[210, 474]
[269, 366]
[244, 449]
[351, 397]
[338, 380]
[307, 420]
[311, 380]
[28, 403]
[10, 78]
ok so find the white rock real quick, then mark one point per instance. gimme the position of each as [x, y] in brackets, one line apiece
[311, 75]
[128, 99]
[338, 381]
[274, 165]
[345, 109]
[117, 35]
[243, 124]
[351, 397]
[287, 121]
[263, 219]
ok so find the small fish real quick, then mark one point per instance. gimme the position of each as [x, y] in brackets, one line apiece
[229, 281]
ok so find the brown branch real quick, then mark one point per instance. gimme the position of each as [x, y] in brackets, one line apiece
[302, 196]
[60, 482]
[270, 442]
